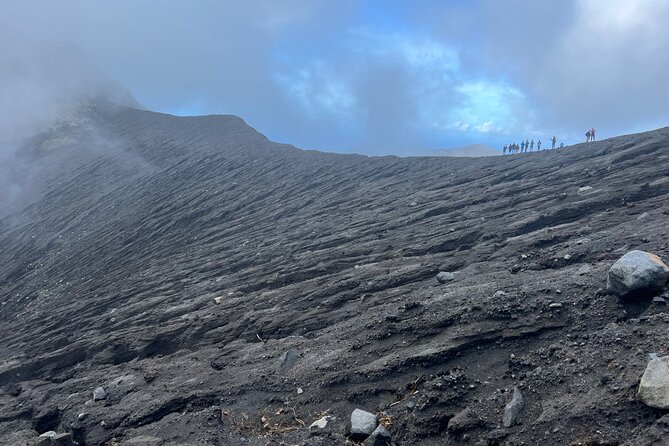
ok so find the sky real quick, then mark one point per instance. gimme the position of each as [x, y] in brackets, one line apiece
[369, 76]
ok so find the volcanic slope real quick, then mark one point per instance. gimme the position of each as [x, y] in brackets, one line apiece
[225, 289]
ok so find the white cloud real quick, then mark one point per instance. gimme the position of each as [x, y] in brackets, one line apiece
[319, 91]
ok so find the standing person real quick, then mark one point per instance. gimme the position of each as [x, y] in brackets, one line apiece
[504, 151]
[522, 146]
[588, 135]
[592, 134]
[553, 141]
[532, 146]
[527, 145]
[539, 146]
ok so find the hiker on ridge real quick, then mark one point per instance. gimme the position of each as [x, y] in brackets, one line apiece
[532, 146]
[588, 135]
[553, 141]
[527, 145]
[539, 146]
[592, 134]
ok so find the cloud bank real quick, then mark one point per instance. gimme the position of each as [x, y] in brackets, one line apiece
[376, 77]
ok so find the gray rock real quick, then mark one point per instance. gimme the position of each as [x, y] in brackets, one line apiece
[463, 421]
[99, 394]
[362, 424]
[585, 269]
[659, 300]
[637, 273]
[654, 385]
[445, 277]
[380, 437]
[513, 410]
[290, 358]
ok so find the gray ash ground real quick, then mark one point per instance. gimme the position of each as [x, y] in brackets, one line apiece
[202, 274]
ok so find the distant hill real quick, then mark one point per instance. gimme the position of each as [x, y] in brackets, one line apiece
[469, 151]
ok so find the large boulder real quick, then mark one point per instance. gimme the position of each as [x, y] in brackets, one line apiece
[637, 273]
[654, 385]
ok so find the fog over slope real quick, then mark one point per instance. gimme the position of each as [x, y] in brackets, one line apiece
[42, 84]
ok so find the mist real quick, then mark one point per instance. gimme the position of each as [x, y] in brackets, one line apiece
[42, 83]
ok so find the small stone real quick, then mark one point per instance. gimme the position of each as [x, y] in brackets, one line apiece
[321, 423]
[300, 391]
[654, 385]
[380, 437]
[99, 394]
[410, 405]
[290, 358]
[513, 409]
[567, 257]
[52, 438]
[82, 416]
[463, 421]
[637, 273]
[585, 269]
[555, 305]
[49, 434]
[445, 277]
[362, 424]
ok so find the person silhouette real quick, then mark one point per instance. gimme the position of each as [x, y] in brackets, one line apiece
[553, 141]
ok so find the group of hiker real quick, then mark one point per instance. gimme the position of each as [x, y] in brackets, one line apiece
[528, 146]
[590, 135]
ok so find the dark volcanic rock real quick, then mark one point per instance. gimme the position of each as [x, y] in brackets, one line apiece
[636, 273]
[175, 262]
